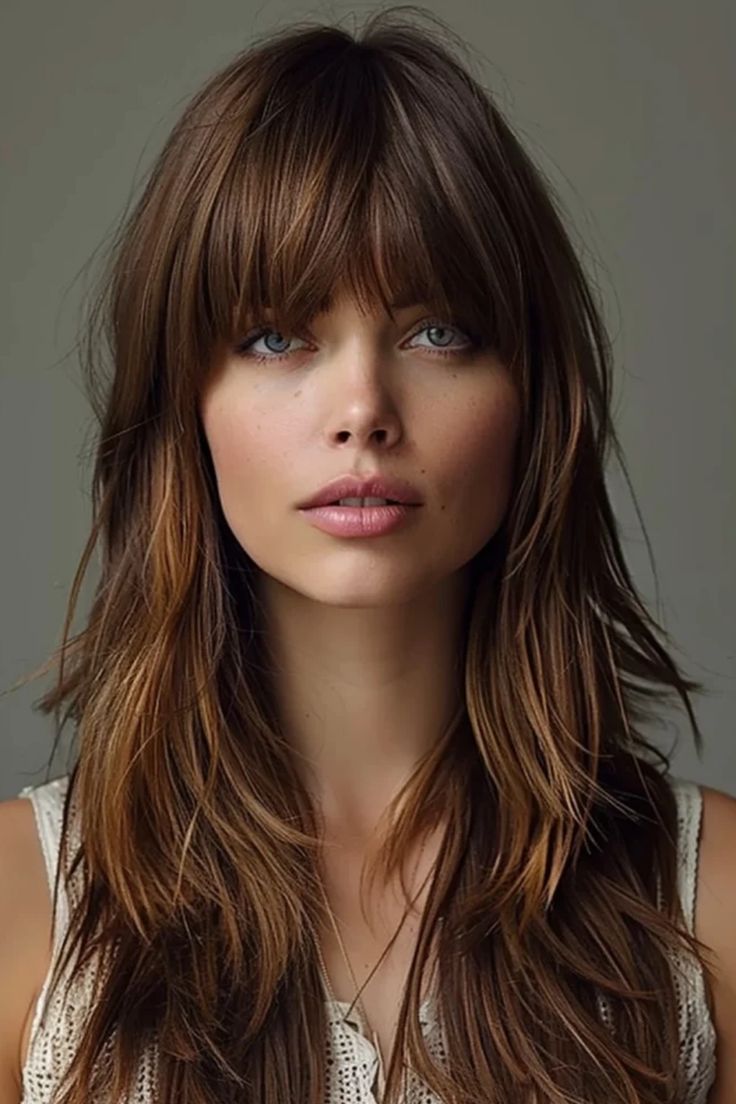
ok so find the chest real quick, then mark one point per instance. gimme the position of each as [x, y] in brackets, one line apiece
[372, 948]
[376, 1012]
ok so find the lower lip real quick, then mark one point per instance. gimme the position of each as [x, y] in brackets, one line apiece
[358, 521]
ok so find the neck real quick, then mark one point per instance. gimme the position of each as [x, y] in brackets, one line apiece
[364, 693]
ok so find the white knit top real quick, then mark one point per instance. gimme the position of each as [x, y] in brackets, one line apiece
[353, 1066]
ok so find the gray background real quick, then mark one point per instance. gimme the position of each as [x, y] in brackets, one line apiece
[627, 106]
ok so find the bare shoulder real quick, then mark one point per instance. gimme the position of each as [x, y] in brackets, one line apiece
[715, 925]
[25, 936]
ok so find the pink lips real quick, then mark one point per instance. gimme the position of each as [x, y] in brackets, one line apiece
[358, 521]
[372, 486]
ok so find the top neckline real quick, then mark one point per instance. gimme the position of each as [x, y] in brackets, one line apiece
[337, 1011]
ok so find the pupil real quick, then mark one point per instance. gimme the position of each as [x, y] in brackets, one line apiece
[269, 336]
[439, 329]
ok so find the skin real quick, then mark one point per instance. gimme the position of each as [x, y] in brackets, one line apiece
[365, 630]
[346, 614]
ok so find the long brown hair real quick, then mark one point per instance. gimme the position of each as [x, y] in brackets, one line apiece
[319, 159]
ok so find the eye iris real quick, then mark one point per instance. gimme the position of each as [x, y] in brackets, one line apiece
[441, 329]
[269, 334]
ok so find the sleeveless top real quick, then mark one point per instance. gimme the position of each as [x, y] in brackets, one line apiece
[352, 1065]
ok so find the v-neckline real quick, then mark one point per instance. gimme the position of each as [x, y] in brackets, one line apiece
[425, 1011]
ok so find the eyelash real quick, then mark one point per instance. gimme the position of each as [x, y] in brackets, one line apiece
[474, 344]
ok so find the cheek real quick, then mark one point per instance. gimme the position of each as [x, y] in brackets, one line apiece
[247, 447]
[477, 442]
[231, 441]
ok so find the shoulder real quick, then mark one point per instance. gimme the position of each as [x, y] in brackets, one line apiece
[25, 932]
[24, 888]
[715, 926]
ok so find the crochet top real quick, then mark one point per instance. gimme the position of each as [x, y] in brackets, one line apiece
[352, 1066]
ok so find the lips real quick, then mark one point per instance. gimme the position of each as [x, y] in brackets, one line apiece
[378, 486]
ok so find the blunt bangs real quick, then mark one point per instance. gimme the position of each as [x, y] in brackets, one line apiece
[343, 181]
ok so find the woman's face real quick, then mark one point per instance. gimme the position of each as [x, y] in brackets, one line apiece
[359, 394]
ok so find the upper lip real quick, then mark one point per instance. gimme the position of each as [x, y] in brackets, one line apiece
[377, 486]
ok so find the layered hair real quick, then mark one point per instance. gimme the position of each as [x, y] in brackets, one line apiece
[376, 161]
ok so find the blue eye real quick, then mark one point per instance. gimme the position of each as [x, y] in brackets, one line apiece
[244, 348]
[436, 325]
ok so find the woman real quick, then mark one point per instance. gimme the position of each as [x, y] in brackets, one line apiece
[360, 806]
